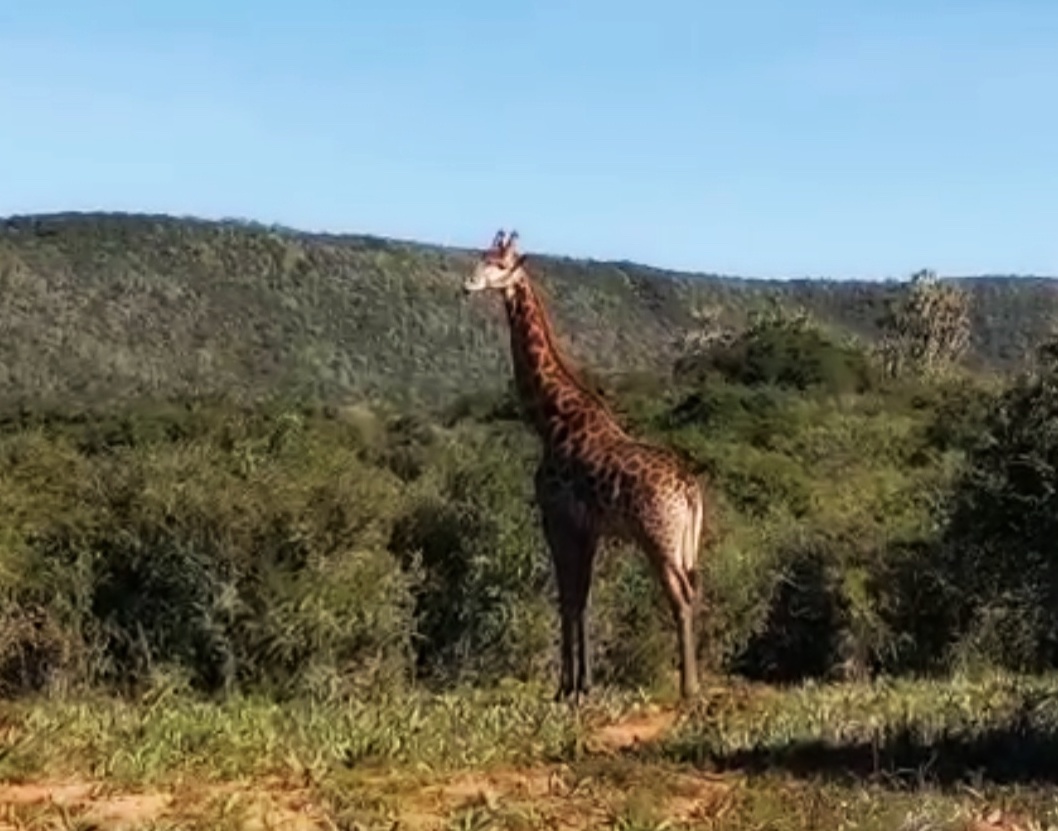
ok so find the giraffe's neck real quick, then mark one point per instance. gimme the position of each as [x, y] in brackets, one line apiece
[551, 395]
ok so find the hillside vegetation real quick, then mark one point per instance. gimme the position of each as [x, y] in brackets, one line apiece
[266, 517]
[101, 307]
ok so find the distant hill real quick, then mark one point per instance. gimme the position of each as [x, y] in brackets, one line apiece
[98, 307]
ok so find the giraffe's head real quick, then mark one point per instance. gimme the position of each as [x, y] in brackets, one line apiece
[500, 266]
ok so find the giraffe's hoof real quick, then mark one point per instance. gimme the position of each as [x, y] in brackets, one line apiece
[571, 695]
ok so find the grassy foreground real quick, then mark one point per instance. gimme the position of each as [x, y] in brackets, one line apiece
[959, 754]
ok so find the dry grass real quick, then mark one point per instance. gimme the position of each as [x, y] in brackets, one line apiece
[510, 759]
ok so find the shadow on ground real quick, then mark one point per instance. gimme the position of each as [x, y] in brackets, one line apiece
[1009, 755]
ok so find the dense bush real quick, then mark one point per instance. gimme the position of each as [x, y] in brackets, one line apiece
[251, 556]
[783, 350]
[341, 551]
[823, 499]
[483, 610]
[861, 523]
[997, 568]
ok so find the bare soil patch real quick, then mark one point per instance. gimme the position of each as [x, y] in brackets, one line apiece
[97, 805]
[580, 795]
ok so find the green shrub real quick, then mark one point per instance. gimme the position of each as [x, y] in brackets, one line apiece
[337, 551]
[253, 556]
[631, 624]
[999, 563]
[819, 494]
[483, 610]
[801, 633]
[786, 352]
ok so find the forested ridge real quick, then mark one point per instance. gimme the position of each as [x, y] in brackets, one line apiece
[105, 307]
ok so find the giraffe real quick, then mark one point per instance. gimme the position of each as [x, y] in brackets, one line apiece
[593, 480]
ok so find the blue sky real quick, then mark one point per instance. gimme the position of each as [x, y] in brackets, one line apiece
[768, 138]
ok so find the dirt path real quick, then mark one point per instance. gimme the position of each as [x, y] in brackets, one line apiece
[634, 730]
[586, 794]
[96, 805]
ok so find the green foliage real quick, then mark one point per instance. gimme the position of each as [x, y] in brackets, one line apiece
[314, 546]
[958, 408]
[169, 731]
[110, 307]
[997, 566]
[251, 556]
[483, 612]
[927, 328]
[822, 502]
[782, 350]
[339, 551]
[631, 623]
[805, 618]
[252, 544]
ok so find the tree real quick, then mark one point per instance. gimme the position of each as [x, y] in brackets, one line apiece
[999, 559]
[927, 328]
[780, 346]
[707, 331]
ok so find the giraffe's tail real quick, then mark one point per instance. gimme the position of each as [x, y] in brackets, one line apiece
[692, 540]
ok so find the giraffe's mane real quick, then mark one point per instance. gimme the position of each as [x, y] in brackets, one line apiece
[565, 364]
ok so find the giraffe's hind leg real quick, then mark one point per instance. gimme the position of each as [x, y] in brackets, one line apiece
[675, 584]
[671, 544]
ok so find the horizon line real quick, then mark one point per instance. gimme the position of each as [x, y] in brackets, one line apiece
[674, 272]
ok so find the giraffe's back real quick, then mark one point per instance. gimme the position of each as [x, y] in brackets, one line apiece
[633, 487]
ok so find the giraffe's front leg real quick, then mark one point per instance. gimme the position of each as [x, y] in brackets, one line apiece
[571, 539]
[584, 673]
[566, 653]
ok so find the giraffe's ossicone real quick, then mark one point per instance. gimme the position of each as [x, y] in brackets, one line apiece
[594, 480]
